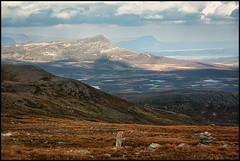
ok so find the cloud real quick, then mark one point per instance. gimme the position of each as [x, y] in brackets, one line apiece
[151, 16]
[70, 13]
[226, 9]
[155, 7]
[179, 11]
[218, 11]
[65, 13]
[132, 13]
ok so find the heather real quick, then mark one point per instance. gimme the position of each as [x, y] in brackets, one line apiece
[44, 138]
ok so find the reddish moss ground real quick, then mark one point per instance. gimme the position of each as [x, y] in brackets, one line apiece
[53, 139]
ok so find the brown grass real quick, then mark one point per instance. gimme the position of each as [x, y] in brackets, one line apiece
[46, 138]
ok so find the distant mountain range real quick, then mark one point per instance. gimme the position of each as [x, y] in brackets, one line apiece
[199, 51]
[99, 63]
[141, 44]
[30, 91]
[151, 44]
[5, 41]
[15, 38]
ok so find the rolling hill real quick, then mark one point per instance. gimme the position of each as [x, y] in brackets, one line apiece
[220, 108]
[30, 91]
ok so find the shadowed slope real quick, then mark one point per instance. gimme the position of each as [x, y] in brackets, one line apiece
[28, 90]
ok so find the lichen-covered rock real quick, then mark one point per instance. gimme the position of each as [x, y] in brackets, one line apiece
[205, 138]
[80, 151]
[153, 146]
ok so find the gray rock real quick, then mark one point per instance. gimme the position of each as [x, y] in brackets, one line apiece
[137, 153]
[60, 142]
[153, 146]
[182, 144]
[7, 134]
[224, 144]
[108, 155]
[81, 151]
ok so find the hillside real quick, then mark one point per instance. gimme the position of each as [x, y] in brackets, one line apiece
[42, 138]
[221, 108]
[30, 91]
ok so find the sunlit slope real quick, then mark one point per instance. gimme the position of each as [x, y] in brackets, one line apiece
[86, 53]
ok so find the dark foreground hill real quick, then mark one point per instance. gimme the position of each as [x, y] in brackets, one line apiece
[30, 91]
[217, 107]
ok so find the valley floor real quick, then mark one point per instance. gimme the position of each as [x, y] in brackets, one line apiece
[43, 138]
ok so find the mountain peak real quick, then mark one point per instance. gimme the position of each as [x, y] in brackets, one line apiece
[98, 37]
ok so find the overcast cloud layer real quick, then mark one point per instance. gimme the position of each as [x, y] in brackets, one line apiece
[129, 19]
[25, 14]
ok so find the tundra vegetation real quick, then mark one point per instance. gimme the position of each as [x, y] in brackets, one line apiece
[46, 138]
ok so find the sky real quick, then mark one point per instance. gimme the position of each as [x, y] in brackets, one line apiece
[167, 21]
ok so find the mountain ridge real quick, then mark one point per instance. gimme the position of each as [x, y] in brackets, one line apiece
[87, 50]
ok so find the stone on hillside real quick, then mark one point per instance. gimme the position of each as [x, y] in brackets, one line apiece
[205, 138]
[182, 144]
[60, 142]
[80, 151]
[153, 146]
[7, 134]
[224, 144]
